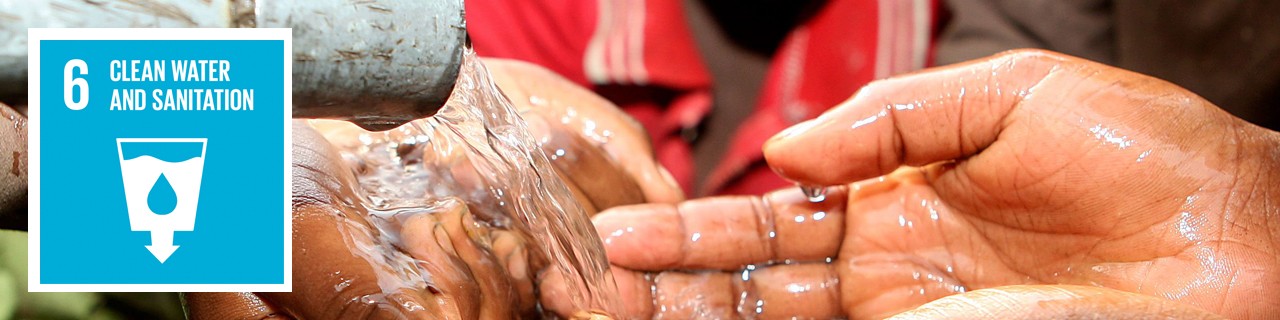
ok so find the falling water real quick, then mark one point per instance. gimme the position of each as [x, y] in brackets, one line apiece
[814, 193]
[478, 150]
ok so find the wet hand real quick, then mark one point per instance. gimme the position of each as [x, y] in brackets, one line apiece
[602, 153]
[345, 266]
[599, 151]
[1047, 186]
[430, 262]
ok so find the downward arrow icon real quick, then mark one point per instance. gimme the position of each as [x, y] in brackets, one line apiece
[162, 244]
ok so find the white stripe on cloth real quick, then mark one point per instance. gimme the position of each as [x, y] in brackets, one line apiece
[615, 53]
[635, 47]
[923, 24]
[594, 59]
[617, 42]
[884, 37]
[902, 43]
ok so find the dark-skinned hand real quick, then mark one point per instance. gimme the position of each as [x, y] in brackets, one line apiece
[344, 268]
[1039, 186]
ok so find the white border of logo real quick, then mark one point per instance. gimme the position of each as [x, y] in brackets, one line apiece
[35, 35]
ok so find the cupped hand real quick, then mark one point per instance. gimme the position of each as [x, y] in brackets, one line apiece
[600, 151]
[436, 261]
[441, 261]
[1044, 186]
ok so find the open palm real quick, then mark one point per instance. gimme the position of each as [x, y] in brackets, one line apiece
[1060, 186]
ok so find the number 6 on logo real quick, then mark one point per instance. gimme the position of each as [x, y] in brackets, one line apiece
[72, 82]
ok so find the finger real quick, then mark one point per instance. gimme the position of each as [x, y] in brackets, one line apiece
[533, 88]
[335, 275]
[583, 199]
[724, 233]
[1053, 302]
[705, 295]
[498, 300]
[319, 175]
[513, 255]
[795, 291]
[586, 167]
[341, 271]
[635, 291]
[229, 306]
[426, 238]
[916, 119]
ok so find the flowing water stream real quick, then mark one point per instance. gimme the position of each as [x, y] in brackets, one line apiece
[477, 151]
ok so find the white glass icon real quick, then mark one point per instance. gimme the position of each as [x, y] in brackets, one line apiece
[161, 196]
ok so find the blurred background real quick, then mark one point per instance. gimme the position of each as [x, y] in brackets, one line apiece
[711, 80]
[17, 303]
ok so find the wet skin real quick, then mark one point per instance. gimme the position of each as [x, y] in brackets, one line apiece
[13, 183]
[1060, 188]
[1044, 186]
[344, 268]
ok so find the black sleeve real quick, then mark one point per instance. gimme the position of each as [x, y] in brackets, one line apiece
[979, 28]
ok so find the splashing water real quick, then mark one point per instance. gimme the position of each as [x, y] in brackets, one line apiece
[478, 151]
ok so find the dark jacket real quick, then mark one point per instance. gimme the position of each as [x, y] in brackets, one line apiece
[1225, 51]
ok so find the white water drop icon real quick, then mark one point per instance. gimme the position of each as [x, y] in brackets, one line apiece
[161, 196]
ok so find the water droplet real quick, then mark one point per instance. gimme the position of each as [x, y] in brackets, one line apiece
[162, 199]
[537, 101]
[814, 193]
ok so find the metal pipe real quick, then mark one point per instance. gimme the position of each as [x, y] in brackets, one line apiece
[378, 63]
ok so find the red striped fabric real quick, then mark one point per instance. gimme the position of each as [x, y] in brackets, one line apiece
[645, 44]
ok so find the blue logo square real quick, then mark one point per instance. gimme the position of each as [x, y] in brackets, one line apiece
[160, 164]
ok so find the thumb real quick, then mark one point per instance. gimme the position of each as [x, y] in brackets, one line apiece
[1053, 302]
[228, 305]
[915, 119]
